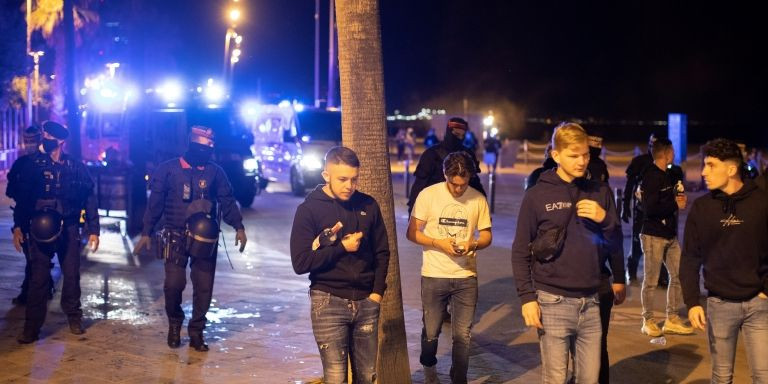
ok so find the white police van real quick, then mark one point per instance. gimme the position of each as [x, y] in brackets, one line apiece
[291, 141]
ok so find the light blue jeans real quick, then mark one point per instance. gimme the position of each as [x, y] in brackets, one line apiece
[345, 327]
[657, 250]
[724, 320]
[570, 324]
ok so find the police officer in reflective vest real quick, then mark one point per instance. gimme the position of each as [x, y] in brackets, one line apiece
[52, 189]
[185, 192]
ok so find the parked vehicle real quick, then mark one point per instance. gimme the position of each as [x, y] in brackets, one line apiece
[291, 142]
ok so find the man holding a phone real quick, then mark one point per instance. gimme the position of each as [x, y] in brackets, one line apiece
[339, 238]
[451, 221]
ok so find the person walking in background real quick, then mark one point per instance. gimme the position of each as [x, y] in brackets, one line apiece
[661, 200]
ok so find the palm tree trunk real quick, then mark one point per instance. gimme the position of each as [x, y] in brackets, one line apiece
[70, 82]
[364, 130]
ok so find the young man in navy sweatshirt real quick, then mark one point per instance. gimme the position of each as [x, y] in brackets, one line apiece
[347, 266]
[727, 233]
[559, 294]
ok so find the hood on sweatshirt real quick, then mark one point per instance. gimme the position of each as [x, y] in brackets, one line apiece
[729, 201]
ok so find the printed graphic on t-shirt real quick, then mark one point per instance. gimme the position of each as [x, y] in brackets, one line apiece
[453, 222]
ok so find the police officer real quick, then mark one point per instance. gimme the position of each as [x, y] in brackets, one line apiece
[31, 141]
[631, 205]
[185, 192]
[52, 189]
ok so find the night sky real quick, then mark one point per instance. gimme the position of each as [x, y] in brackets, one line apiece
[610, 60]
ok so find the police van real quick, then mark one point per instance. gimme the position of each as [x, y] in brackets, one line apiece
[291, 141]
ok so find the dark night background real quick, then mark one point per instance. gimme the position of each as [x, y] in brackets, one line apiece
[611, 61]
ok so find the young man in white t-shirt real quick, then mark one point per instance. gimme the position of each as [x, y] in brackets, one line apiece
[451, 221]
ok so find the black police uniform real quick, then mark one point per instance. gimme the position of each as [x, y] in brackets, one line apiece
[635, 171]
[176, 189]
[65, 187]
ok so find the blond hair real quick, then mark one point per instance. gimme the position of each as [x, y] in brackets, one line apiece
[567, 133]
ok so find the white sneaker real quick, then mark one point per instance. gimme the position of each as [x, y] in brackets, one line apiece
[430, 375]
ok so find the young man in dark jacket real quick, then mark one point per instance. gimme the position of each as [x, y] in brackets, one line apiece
[559, 290]
[339, 238]
[661, 200]
[726, 234]
[429, 171]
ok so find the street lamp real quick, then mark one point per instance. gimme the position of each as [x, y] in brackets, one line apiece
[36, 57]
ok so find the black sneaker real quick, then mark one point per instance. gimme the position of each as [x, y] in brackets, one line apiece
[21, 299]
[27, 337]
[76, 325]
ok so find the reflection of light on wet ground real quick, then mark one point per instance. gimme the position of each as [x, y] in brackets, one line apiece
[217, 315]
[112, 298]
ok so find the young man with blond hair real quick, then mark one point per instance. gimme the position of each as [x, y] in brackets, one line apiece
[558, 280]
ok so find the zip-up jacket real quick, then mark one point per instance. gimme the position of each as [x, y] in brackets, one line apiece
[575, 271]
[37, 176]
[659, 206]
[728, 235]
[175, 185]
[350, 275]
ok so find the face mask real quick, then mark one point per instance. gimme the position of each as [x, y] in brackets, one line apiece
[49, 145]
[198, 154]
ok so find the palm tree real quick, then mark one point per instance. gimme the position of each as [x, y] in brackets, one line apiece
[364, 130]
[58, 20]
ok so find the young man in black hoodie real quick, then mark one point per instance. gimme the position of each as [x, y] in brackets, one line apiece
[559, 290]
[339, 238]
[429, 171]
[726, 234]
[661, 200]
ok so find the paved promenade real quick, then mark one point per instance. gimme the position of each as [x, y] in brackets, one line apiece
[259, 328]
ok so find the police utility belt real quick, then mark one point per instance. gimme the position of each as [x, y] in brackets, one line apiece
[199, 238]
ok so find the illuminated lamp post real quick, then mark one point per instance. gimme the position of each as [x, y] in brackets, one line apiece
[36, 85]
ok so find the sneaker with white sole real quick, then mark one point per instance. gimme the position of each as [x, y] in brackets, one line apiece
[675, 325]
[651, 328]
[430, 375]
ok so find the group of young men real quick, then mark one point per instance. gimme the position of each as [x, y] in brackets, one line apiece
[567, 258]
[567, 255]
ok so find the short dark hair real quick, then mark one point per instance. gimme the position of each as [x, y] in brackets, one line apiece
[723, 149]
[459, 164]
[659, 146]
[342, 155]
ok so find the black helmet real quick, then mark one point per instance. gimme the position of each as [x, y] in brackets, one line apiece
[202, 235]
[46, 225]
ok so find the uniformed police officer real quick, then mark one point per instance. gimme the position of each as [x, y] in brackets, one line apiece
[31, 141]
[51, 190]
[185, 192]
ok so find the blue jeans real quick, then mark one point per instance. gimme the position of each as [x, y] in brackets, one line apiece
[570, 324]
[724, 320]
[345, 327]
[659, 250]
[436, 293]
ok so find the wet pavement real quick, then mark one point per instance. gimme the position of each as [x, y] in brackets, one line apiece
[259, 329]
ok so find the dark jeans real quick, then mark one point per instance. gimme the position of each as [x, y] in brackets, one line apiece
[202, 275]
[342, 328]
[67, 249]
[436, 294]
[636, 252]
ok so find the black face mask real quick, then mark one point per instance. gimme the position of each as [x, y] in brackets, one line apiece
[49, 145]
[198, 154]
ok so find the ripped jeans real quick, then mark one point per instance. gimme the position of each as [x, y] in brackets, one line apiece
[436, 294]
[343, 327]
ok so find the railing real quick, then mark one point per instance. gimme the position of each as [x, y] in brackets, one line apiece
[12, 124]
